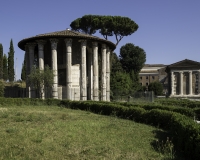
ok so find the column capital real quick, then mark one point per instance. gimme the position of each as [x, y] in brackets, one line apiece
[181, 72]
[41, 44]
[54, 42]
[83, 42]
[41, 41]
[31, 45]
[68, 41]
[103, 46]
[190, 72]
[95, 44]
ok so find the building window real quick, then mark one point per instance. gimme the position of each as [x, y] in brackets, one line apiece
[153, 77]
[141, 78]
[147, 77]
[146, 84]
[141, 84]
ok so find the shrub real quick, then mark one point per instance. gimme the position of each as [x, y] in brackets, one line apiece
[2, 88]
[157, 87]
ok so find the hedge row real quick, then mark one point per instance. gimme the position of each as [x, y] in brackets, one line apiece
[179, 102]
[185, 131]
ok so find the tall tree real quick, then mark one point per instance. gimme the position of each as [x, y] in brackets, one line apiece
[132, 58]
[107, 25]
[2, 88]
[5, 67]
[1, 61]
[115, 63]
[23, 72]
[11, 72]
[121, 84]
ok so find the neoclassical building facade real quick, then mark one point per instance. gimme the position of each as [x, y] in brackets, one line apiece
[80, 62]
[184, 79]
[180, 79]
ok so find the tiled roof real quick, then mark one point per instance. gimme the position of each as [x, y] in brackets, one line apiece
[64, 34]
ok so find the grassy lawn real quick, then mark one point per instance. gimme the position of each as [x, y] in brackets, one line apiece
[45, 132]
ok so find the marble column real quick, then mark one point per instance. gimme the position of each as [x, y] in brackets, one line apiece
[95, 72]
[27, 71]
[103, 73]
[68, 67]
[90, 76]
[41, 62]
[31, 47]
[54, 67]
[108, 74]
[83, 76]
[190, 82]
[172, 83]
[181, 83]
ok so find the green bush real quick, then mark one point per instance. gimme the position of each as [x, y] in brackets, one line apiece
[2, 88]
[178, 102]
[157, 87]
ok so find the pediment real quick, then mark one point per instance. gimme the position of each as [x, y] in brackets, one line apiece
[185, 64]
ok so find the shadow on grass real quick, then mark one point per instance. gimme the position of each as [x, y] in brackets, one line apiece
[164, 145]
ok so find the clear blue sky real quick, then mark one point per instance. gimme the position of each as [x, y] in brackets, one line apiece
[169, 30]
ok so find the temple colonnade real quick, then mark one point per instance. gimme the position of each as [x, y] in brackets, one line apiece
[185, 83]
[93, 70]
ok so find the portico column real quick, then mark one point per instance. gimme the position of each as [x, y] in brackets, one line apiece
[83, 84]
[103, 74]
[41, 62]
[190, 82]
[68, 67]
[54, 67]
[31, 47]
[95, 72]
[90, 76]
[108, 74]
[172, 83]
[27, 70]
[181, 83]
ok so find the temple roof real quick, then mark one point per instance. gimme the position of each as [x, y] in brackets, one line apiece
[64, 34]
[184, 64]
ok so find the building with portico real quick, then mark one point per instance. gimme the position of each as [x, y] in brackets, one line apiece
[75, 59]
[184, 79]
[179, 80]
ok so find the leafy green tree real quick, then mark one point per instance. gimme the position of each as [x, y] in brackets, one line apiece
[2, 88]
[115, 64]
[39, 79]
[136, 86]
[11, 72]
[23, 72]
[1, 61]
[5, 67]
[106, 25]
[132, 58]
[120, 84]
[157, 87]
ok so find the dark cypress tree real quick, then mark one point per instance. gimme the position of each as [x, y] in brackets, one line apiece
[23, 72]
[1, 61]
[11, 72]
[5, 67]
